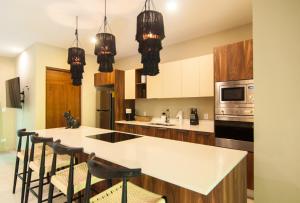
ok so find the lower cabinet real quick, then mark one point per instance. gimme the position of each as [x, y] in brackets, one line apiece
[168, 133]
[250, 170]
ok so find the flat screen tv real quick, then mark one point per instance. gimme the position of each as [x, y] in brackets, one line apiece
[13, 93]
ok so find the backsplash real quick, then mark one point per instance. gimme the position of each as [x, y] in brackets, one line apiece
[154, 107]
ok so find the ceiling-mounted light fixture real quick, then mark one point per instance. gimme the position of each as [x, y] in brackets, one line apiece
[76, 59]
[150, 32]
[105, 48]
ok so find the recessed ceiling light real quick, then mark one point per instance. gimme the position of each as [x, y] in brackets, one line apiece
[93, 40]
[171, 5]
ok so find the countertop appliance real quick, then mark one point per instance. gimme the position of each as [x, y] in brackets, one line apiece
[114, 137]
[129, 114]
[105, 108]
[194, 118]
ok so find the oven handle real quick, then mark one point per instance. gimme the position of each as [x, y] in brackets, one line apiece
[235, 144]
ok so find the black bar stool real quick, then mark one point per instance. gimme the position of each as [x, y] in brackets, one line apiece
[122, 192]
[71, 180]
[42, 165]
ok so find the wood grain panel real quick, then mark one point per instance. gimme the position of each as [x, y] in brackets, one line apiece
[236, 61]
[250, 170]
[162, 133]
[220, 64]
[119, 85]
[104, 78]
[232, 189]
[248, 54]
[61, 96]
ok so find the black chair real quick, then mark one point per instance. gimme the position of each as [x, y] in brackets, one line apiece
[23, 156]
[42, 165]
[71, 180]
[122, 192]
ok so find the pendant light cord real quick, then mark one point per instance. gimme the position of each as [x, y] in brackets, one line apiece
[105, 18]
[76, 31]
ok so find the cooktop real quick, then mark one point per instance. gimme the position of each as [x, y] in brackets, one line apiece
[114, 137]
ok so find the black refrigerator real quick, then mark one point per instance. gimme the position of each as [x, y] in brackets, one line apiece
[105, 109]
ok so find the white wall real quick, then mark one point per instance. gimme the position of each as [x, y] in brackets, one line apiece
[33, 74]
[7, 115]
[276, 34]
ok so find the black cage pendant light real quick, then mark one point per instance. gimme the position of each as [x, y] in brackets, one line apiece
[149, 33]
[105, 48]
[76, 59]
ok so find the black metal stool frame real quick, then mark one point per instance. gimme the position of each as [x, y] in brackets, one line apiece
[45, 141]
[72, 152]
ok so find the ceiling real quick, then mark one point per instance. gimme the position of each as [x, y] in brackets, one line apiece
[52, 21]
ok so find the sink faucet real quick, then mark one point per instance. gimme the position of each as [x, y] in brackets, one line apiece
[167, 116]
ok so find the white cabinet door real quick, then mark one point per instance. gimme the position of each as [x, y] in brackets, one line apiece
[130, 84]
[206, 74]
[172, 82]
[154, 86]
[190, 77]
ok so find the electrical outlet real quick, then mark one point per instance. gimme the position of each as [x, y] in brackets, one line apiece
[205, 116]
[145, 113]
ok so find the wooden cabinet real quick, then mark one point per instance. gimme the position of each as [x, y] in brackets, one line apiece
[234, 61]
[190, 77]
[250, 170]
[206, 76]
[168, 133]
[101, 79]
[193, 77]
[171, 79]
[130, 84]
[154, 86]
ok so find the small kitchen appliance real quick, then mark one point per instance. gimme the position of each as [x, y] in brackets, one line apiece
[194, 119]
[129, 114]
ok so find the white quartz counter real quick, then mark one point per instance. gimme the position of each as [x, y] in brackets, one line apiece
[196, 167]
[204, 125]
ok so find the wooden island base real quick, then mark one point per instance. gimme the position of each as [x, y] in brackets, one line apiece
[232, 189]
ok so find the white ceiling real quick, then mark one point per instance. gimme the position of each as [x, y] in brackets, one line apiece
[52, 21]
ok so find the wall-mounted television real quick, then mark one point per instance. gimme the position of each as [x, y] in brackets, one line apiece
[13, 93]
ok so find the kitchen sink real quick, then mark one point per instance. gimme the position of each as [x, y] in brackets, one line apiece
[163, 124]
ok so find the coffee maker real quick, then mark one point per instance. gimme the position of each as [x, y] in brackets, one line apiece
[129, 114]
[194, 119]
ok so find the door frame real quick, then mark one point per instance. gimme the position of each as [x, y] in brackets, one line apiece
[58, 70]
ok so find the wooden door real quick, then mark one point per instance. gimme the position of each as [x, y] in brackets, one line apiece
[61, 96]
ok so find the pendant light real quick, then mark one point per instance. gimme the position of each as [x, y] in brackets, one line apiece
[150, 32]
[105, 48]
[76, 59]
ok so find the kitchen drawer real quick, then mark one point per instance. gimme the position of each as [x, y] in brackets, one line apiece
[145, 130]
[163, 133]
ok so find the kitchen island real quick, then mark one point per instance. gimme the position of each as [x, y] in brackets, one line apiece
[183, 172]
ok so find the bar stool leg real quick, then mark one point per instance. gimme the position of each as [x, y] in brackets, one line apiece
[28, 185]
[24, 178]
[50, 194]
[41, 185]
[16, 174]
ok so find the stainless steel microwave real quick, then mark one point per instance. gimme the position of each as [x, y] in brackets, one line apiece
[235, 94]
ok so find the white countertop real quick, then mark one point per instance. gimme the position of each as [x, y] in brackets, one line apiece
[196, 167]
[204, 125]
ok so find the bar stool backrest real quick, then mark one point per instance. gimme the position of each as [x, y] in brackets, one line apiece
[35, 139]
[60, 149]
[104, 171]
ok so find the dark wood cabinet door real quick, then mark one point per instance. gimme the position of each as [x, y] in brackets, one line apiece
[162, 133]
[199, 138]
[220, 64]
[234, 61]
[248, 54]
[131, 129]
[121, 127]
[145, 130]
[178, 134]
[250, 170]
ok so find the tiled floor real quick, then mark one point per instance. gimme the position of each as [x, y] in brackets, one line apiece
[7, 163]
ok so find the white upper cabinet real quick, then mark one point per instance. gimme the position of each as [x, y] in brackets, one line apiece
[130, 84]
[190, 77]
[206, 71]
[193, 77]
[172, 82]
[154, 86]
